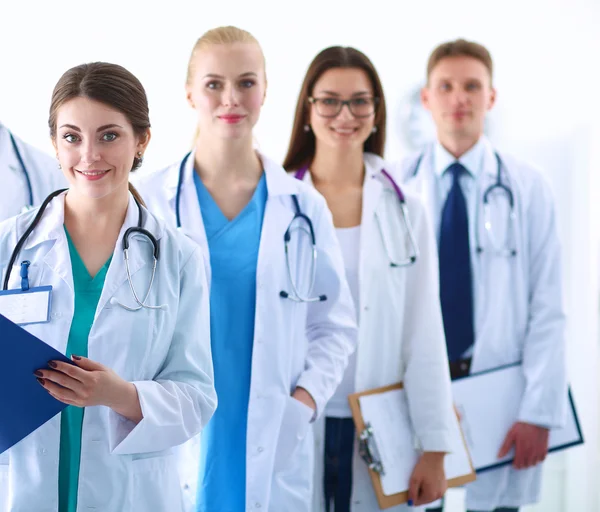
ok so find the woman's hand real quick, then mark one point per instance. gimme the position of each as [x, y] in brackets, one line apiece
[89, 383]
[428, 480]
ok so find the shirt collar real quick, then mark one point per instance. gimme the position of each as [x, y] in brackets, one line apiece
[472, 160]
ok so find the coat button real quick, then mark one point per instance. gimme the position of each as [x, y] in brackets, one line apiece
[260, 449]
[257, 505]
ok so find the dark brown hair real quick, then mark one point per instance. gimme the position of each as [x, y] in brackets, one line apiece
[301, 149]
[111, 85]
[460, 48]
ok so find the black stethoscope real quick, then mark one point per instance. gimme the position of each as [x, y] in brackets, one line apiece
[487, 223]
[137, 230]
[294, 295]
[23, 167]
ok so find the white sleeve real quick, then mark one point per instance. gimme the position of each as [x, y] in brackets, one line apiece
[427, 378]
[181, 399]
[544, 402]
[331, 325]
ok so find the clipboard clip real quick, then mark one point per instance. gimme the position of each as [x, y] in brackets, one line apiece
[367, 449]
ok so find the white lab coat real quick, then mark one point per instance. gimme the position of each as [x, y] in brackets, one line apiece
[165, 353]
[42, 169]
[401, 334]
[518, 308]
[305, 345]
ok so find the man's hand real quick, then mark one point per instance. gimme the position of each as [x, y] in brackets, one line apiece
[531, 445]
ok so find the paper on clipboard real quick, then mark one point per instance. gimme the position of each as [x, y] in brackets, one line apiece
[389, 418]
[489, 403]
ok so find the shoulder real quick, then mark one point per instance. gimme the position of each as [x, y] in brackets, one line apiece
[11, 230]
[527, 178]
[175, 248]
[154, 178]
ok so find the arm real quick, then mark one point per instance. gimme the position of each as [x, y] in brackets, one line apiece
[427, 378]
[544, 368]
[331, 325]
[180, 401]
[544, 400]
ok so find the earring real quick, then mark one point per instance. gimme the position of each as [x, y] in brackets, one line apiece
[306, 128]
[58, 162]
[374, 130]
[137, 162]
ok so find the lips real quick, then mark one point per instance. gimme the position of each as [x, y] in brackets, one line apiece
[94, 174]
[345, 131]
[231, 118]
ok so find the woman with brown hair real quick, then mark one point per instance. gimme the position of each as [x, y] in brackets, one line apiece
[337, 145]
[129, 306]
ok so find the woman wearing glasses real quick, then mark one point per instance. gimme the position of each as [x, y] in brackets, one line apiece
[390, 259]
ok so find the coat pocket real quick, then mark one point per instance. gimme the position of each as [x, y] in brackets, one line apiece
[294, 427]
[155, 484]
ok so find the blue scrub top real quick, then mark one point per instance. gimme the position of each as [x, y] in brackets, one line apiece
[233, 247]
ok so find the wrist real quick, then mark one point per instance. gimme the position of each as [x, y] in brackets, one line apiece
[126, 401]
[434, 456]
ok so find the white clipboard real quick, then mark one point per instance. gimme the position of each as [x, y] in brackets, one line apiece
[489, 402]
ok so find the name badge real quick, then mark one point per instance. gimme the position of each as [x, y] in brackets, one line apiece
[24, 307]
[27, 305]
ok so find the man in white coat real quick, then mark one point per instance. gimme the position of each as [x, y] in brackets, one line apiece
[27, 174]
[500, 282]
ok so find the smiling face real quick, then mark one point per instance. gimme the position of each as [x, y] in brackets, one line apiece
[227, 89]
[96, 146]
[353, 123]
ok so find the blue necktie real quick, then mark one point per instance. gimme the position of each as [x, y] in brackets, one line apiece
[456, 293]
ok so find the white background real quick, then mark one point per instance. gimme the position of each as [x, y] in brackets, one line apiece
[547, 73]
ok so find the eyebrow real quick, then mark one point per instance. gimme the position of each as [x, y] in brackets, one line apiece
[360, 93]
[100, 129]
[243, 75]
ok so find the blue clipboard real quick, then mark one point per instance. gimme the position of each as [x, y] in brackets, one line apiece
[24, 404]
[574, 437]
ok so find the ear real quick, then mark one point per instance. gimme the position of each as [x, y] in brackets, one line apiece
[492, 99]
[144, 141]
[425, 97]
[188, 96]
[265, 94]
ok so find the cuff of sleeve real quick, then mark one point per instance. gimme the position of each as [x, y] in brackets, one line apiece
[306, 383]
[541, 419]
[436, 441]
[125, 437]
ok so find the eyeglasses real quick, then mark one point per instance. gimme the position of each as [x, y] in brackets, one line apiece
[362, 106]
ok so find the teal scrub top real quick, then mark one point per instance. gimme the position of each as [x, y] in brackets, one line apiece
[87, 296]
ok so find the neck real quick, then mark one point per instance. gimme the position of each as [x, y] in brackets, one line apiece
[457, 146]
[341, 167]
[95, 217]
[226, 160]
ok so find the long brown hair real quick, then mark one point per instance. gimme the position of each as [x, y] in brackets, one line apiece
[111, 85]
[302, 145]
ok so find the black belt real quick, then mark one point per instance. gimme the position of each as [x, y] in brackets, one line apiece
[460, 368]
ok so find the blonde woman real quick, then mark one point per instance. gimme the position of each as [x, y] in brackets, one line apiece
[282, 319]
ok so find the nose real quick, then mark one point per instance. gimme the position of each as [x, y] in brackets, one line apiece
[230, 96]
[90, 152]
[459, 97]
[345, 114]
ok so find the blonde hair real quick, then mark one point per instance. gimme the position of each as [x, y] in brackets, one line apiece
[217, 36]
